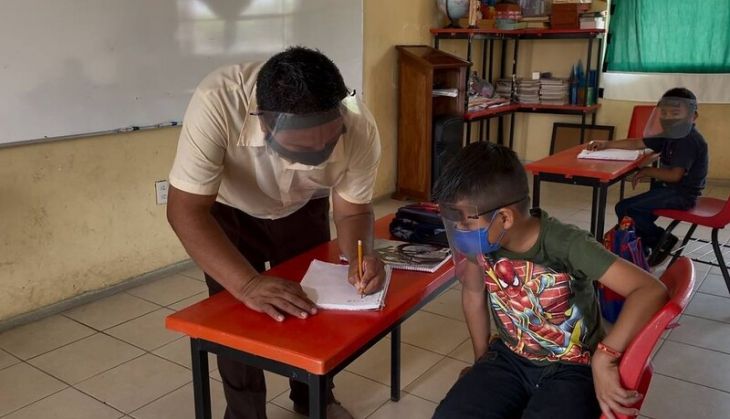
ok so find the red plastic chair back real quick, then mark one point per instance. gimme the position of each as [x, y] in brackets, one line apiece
[635, 368]
[707, 212]
[639, 117]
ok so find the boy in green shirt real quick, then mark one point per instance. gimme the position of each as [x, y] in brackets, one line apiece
[534, 275]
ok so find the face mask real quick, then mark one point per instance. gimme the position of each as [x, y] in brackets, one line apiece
[675, 128]
[474, 242]
[310, 158]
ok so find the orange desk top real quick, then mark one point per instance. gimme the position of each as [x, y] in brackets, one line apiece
[568, 164]
[319, 343]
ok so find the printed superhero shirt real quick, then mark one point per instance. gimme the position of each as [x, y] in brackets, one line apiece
[543, 301]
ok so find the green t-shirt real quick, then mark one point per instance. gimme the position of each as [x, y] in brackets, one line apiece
[543, 301]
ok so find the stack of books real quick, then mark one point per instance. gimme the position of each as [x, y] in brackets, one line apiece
[478, 103]
[504, 88]
[554, 91]
[536, 22]
[593, 20]
[528, 91]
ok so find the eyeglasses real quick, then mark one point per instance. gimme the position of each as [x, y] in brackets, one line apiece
[453, 213]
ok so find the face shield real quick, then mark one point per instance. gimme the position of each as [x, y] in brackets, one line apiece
[672, 118]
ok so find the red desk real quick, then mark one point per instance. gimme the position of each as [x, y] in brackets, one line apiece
[311, 350]
[566, 167]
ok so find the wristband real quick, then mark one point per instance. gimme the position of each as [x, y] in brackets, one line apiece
[609, 351]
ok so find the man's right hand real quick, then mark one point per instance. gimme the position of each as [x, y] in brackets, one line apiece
[596, 145]
[276, 297]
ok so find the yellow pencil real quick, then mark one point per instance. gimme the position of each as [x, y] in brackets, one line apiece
[359, 267]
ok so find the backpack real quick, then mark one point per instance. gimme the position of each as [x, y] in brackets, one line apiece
[419, 223]
[622, 241]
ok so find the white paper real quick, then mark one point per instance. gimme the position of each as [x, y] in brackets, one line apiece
[327, 286]
[612, 154]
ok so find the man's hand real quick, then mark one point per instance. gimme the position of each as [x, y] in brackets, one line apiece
[275, 296]
[596, 145]
[641, 174]
[373, 275]
[611, 396]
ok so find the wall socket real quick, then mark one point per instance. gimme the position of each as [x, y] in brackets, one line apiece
[161, 188]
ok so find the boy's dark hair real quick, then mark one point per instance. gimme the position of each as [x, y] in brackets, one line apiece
[485, 174]
[680, 92]
[299, 80]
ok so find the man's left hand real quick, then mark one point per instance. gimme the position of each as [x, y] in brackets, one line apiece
[373, 275]
[611, 396]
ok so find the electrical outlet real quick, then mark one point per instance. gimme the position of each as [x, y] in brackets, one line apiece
[161, 188]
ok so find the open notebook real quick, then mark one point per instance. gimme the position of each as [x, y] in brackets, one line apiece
[327, 286]
[613, 154]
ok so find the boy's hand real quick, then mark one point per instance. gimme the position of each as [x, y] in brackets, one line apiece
[611, 396]
[596, 145]
[373, 275]
[641, 174]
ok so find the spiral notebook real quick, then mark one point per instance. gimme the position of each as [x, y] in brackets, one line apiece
[410, 256]
[613, 154]
[327, 286]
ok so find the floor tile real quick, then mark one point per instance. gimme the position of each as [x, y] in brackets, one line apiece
[111, 311]
[7, 360]
[22, 384]
[189, 301]
[375, 363]
[420, 330]
[275, 412]
[448, 304]
[408, 406]
[436, 382]
[463, 352]
[276, 385]
[42, 336]
[169, 290]
[360, 396]
[704, 333]
[86, 358]
[715, 285]
[696, 365]
[147, 332]
[180, 404]
[194, 273]
[136, 383]
[178, 351]
[66, 404]
[669, 398]
[709, 307]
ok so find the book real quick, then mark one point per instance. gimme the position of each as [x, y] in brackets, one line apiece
[411, 256]
[327, 286]
[612, 154]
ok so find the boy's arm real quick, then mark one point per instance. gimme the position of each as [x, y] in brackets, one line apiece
[664, 174]
[627, 144]
[645, 295]
[474, 303]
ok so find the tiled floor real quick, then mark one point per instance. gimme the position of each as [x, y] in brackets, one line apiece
[114, 359]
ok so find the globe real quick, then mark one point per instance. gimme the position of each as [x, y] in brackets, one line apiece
[454, 10]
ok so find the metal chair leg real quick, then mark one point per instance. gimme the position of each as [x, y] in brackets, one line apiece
[720, 259]
[686, 239]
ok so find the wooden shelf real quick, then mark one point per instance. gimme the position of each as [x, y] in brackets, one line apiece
[465, 33]
[532, 108]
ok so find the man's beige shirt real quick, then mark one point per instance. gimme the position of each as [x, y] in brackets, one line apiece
[222, 151]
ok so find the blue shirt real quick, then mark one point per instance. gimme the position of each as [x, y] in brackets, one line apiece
[689, 153]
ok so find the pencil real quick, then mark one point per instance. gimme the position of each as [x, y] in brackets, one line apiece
[359, 267]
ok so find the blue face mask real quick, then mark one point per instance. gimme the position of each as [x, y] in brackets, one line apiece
[474, 242]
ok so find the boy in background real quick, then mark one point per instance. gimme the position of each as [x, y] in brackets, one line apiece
[678, 182]
[534, 275]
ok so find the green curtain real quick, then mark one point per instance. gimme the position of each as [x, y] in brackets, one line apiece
[669, 36]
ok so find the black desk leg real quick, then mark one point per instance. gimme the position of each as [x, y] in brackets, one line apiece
[201, 382]
[317, 396]
[594, 210]
[601, 211]
[395, 364]
[536, 190]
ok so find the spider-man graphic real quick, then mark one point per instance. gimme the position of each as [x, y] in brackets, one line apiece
[532, 303]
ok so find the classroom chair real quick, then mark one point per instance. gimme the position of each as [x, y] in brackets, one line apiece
[635, 368]
[709, 212]
[639, 116]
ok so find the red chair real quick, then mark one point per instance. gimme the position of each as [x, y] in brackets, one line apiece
[635, 368]
[639, 116]
[708, 212]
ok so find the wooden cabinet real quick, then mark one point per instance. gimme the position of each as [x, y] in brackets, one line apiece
[421, 69]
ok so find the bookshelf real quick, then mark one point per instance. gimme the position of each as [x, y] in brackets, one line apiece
[488, 37]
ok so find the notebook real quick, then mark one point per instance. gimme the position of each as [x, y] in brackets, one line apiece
[412, 256]
[327, 286]
[612, 154]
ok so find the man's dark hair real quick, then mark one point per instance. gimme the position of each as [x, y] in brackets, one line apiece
[680, 92]
[485, 174]
[299, 80]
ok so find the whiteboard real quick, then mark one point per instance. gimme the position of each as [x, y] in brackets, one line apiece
[71, 67]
